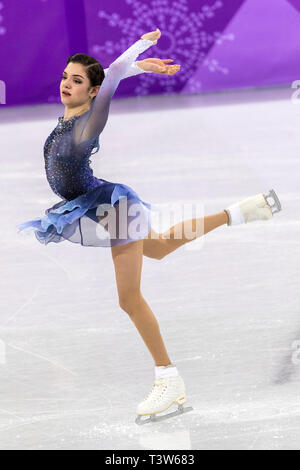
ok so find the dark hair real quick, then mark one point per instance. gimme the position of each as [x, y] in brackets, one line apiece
[94, 70]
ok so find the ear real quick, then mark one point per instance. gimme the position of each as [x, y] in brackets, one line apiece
[95, 91]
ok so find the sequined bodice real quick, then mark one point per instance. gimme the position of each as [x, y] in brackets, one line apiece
[67, 165]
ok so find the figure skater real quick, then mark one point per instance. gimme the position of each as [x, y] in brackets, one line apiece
[80, 216]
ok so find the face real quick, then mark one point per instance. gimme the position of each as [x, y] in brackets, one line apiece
[76, 82]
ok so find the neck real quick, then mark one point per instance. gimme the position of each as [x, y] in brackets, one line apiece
[70, 112]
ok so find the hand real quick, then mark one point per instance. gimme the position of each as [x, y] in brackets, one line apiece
[153, 36]
[158, 66]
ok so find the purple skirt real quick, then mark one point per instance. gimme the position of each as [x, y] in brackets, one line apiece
[124, 218]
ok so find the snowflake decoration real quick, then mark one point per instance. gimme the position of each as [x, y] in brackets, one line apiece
[195, 86]
[2, 28]
[214, 66]
[183, 39]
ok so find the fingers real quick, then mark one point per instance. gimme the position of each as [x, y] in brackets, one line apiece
[170, 60]
[157, 33]
[173, 68]
[169, 69]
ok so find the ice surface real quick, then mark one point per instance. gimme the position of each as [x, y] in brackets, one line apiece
[73, 366]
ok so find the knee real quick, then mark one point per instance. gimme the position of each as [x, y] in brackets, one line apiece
[158, 256]
[163, 249]
[130, 301]
[156, 248]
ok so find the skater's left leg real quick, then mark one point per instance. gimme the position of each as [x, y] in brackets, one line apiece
[128, 261]
[160, 245]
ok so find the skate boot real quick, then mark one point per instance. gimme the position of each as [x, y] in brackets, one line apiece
[253, 208]
[165, 392]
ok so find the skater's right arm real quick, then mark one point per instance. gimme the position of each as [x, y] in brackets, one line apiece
[92, 123]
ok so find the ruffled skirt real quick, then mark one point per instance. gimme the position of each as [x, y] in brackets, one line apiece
[124, 217]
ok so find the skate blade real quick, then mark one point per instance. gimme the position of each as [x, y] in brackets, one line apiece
[155, 418]
[276, 204]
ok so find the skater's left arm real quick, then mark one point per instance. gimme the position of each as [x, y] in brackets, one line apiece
[151, 65]
[159, 66]
[134, 69]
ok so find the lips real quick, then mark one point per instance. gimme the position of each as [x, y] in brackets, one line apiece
[66, 93]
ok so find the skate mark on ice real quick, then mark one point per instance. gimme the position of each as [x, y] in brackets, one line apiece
[28, 301]
[44, 358]
[11, 414]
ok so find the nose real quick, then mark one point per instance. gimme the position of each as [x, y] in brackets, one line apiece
[65, 83]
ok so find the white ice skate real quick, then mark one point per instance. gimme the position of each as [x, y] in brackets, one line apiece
[165, 392]
[253, 208]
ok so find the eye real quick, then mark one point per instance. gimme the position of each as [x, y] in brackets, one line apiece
[76, 81]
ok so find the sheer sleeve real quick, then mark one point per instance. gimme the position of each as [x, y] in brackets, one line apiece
[91, 124]
[133, 70]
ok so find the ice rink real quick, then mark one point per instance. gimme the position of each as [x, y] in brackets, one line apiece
[73, 367]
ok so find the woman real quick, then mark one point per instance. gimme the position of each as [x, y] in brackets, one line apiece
[86, 92]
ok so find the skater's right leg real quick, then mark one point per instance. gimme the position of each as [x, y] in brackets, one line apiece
[128, 261]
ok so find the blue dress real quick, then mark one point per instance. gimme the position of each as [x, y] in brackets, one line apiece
[125, 217]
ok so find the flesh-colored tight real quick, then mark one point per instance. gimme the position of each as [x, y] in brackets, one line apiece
[128, 260]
